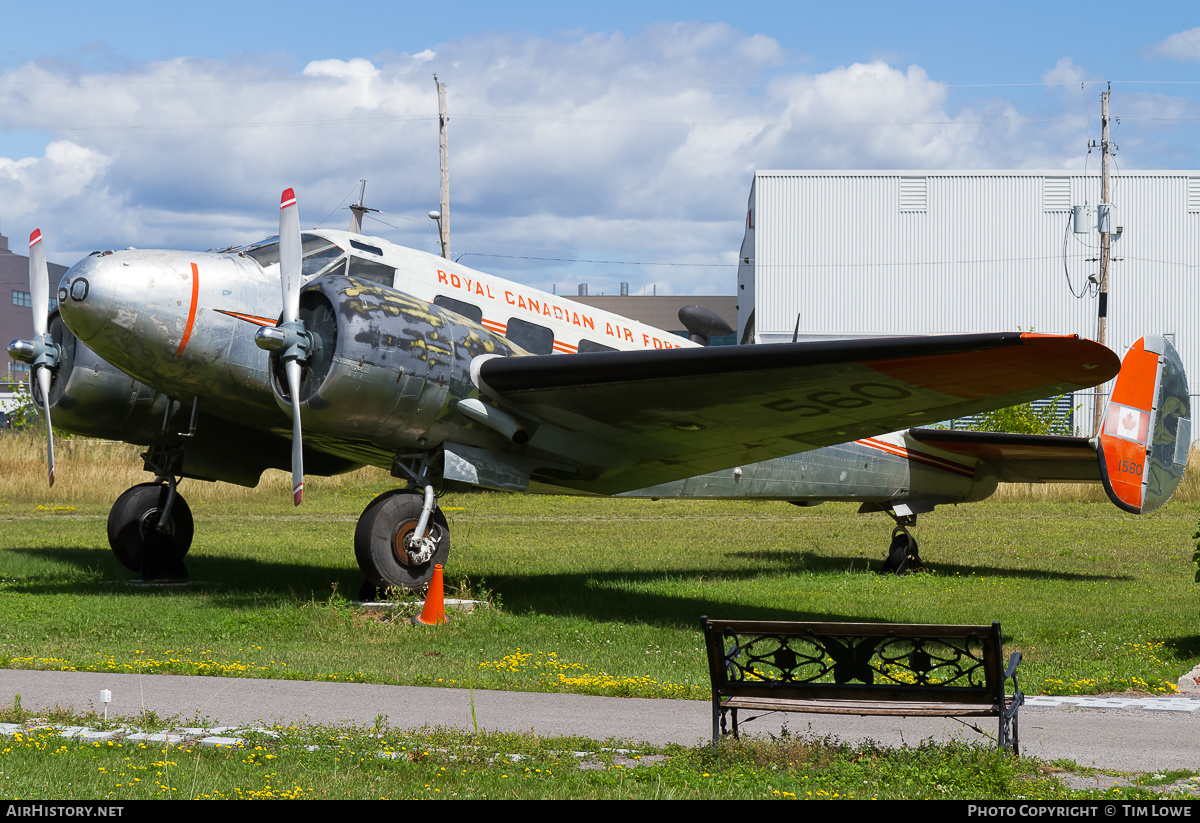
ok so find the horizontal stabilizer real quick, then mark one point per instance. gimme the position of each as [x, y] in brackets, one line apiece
[1020, 458]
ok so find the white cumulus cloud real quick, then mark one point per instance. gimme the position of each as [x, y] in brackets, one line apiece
[585, 146]
[1182, 46]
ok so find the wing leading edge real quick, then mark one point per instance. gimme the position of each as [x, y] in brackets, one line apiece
[635, 419]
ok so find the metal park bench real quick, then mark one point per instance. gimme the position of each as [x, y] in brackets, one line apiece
[892, 669]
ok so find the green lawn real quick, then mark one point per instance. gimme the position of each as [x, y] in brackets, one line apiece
[601, 596]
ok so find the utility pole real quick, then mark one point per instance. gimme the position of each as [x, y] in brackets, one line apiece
[1103, 216]
[444, 222]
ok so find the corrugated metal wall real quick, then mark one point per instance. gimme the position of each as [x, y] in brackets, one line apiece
[908, 252]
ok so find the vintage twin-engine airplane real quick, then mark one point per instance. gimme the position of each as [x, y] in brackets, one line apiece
[393, 357]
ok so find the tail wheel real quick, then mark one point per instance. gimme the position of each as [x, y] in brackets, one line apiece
[385, 544]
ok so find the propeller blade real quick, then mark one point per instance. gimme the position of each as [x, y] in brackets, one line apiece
[43, 377]
[39, 282]
[293, 376]
[39, 293]
[289, 255]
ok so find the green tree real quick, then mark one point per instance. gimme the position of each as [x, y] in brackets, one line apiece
[1196, 554]
[1026, 419]
[24, 413]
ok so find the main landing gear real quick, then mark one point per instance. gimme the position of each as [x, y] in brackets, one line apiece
[391, 549]
[402, 534]
[150, 530]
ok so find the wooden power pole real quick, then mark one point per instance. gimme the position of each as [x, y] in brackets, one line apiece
[444, 222]
[1104, 218]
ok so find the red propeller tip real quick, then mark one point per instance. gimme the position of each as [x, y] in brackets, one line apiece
[288, 199]
[35, 237]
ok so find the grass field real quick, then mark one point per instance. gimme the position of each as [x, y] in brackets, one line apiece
[359, 763]
[588, 595]
[591, 595]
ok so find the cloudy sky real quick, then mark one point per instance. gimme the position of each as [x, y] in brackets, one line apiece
[600, 145]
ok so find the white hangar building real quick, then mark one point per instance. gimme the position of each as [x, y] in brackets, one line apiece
[866, 253]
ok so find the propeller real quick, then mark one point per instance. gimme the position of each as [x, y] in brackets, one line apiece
[45, 352]
[290, 339]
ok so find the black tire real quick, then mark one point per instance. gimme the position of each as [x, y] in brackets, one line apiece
[132, 521]
[381, 528]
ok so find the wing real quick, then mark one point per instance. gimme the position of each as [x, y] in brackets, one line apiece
[634, 419]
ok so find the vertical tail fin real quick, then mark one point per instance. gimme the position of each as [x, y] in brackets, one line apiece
[1147, 431]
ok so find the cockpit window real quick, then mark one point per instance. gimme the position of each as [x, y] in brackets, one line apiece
[370, 270]
[266, 253]
[318, 262]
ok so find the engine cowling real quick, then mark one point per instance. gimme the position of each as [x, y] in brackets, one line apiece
[386, 367]
[90, 397]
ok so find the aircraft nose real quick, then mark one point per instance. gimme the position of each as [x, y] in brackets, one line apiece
[132, 303]
[81, 297]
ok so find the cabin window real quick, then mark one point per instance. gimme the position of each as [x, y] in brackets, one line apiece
[355, 244]
[459, 307]
[586, 346]
[531, 337]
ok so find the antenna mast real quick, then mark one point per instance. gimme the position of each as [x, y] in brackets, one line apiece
[358, 210]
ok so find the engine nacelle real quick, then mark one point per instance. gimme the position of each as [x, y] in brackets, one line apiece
[90, 397]
[387, 368]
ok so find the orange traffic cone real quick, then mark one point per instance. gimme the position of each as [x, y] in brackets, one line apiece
[435, 607]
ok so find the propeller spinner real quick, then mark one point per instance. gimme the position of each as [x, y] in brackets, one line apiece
[290, 339]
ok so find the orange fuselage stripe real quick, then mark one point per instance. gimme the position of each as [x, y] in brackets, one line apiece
[918, 457]
[187, 330]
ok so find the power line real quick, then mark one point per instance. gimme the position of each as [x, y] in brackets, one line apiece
[603, 262]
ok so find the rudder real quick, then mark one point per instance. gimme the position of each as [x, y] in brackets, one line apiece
[1144, 440]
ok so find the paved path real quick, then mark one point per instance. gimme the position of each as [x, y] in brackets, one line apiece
[1118, 733]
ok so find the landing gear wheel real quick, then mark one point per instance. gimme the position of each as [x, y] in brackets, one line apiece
[382, 547]
[903, 555]
[134, 537]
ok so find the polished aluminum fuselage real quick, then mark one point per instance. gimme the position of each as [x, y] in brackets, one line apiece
[176, 321]
[184, 324]
[886, 470]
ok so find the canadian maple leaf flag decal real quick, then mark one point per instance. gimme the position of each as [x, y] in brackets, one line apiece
[1129, 423]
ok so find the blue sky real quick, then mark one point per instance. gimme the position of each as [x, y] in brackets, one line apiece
[623, 132]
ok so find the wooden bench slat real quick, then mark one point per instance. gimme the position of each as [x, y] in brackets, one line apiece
[797, 629]
[863, 707]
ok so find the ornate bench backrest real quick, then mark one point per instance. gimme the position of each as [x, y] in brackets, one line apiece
[873, 661]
